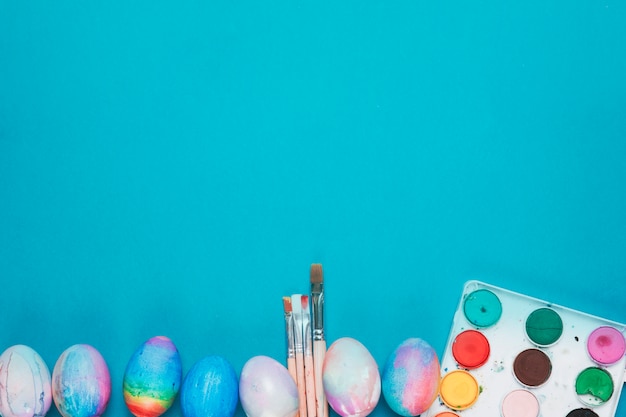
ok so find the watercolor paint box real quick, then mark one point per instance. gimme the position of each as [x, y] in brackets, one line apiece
[511, 355]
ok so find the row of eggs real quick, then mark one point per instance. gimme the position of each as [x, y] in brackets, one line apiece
[80, 384]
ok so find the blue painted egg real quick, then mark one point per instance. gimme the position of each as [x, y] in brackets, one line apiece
[25, 383]
[411, 377]
[210, 389]
[81, 383]
[152, 377]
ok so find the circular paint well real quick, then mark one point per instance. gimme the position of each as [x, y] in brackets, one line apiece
[594, 386]
[470, 349]
[581, 412]
[532, 367]
[459, 390]
[606, 345]
[447, 414]
[482, 308]
[520, 403]
[544, 327]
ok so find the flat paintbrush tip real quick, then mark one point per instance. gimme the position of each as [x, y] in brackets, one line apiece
[305, 302]
[287, 304]
[317, 276]
[296, 305]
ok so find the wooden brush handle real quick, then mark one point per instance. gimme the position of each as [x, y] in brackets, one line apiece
[301, 384]
[291, 366]
[319, 351]
[309, 374]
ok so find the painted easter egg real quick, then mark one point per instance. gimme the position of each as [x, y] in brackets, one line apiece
[267, 389]
[411, 377]
[152, 377]
[210, 389]
[351, 379]
[25, 384]
[81, 383]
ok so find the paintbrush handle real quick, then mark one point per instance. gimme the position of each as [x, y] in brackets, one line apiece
[301, 384]
[291, 366]
[319, 351]
[309, 374]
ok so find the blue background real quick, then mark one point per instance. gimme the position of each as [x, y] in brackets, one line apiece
[175, 167]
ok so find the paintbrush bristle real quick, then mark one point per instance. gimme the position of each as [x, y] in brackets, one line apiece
[296, 304]
[317, 276]
[305, 303]
[287, 304]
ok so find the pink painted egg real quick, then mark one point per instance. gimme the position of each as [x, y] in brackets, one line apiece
[351, 379]
[267, 389]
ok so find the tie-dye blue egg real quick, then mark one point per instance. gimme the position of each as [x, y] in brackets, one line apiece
[81, 383]
[411, 377]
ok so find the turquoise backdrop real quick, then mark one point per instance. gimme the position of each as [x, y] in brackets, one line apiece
[175, 167]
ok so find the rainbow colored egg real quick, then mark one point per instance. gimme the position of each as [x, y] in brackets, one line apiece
[267, 389]
[81, 383]
[25, 384]
[210, 389]
[411, 377]
[351, 379]
[152, 377]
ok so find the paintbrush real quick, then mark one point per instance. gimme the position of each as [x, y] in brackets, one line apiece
[309, 373]
[291, 354]
[319, 343]
[296, 305]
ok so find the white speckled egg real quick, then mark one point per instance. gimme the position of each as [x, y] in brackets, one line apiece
[25, 383]
[411, 377]
[266, 389]
[351, 379]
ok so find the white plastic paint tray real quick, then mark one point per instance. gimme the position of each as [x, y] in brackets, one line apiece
[507, 338]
